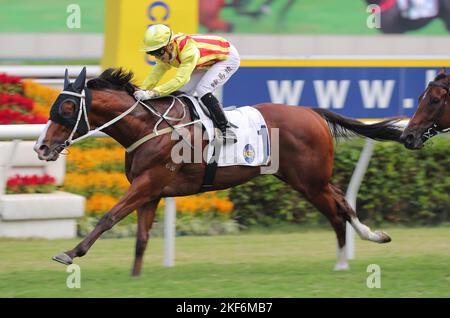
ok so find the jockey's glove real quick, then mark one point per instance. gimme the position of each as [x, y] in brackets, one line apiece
[144, 95]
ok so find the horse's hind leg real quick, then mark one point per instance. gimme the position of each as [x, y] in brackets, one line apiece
[146, 215]
[330, 201]
[324, 200]
[363, 230]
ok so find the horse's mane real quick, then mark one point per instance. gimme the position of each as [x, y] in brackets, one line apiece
[113, 78]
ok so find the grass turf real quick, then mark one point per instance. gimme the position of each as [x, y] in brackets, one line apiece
[415, 264]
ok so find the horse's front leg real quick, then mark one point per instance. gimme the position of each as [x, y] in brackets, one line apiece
[142, 189]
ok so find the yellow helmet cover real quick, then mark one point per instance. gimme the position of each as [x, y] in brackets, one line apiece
[156, 37]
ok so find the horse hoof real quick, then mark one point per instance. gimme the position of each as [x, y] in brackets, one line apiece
[63, 258]
[341, 267]
[384, 237]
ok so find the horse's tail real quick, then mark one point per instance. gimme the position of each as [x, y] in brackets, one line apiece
[341, 126]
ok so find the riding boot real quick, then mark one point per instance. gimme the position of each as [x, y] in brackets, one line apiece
[218, 117]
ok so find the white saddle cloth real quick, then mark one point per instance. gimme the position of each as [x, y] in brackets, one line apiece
[252, 147]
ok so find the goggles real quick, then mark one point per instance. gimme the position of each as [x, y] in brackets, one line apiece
[156, 53]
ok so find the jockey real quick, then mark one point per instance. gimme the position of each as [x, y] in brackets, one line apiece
[204, 63]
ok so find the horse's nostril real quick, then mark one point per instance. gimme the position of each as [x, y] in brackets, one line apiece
[44, 149]
[408, 141]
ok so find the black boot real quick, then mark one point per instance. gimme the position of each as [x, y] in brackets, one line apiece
[218, 117]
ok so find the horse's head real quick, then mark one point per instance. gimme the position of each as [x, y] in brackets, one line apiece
[432, 115]
[68, 118]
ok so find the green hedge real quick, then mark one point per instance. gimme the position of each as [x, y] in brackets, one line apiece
[400, 186]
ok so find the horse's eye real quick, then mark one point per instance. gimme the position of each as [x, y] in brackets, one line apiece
[435, 100]
[67, 109]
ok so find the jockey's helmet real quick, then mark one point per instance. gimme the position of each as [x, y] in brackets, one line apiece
[156, 37]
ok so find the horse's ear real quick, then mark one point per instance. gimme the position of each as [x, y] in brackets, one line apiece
[443, 71]
[81, 80]
[66, 79]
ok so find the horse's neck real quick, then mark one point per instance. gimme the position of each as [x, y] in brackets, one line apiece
[138, 123]
[444, 123]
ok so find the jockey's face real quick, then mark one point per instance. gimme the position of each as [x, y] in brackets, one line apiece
[169, 53]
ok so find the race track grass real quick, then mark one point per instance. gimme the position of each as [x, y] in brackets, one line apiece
[415, 264]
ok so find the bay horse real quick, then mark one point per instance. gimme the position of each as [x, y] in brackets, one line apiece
[432, 116]
[305, 154]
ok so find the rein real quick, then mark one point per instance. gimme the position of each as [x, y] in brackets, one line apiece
[162, 117]
[165, 118]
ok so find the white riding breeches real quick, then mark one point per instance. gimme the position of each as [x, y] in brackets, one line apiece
[207, 81]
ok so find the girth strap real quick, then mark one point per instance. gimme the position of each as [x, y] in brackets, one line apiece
[211, 167]
[157, 133]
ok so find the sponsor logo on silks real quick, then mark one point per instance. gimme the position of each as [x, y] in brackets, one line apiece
[249, 153]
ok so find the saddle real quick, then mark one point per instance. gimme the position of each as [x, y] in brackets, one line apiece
[190, 105]
[251, 149]
[193, 111]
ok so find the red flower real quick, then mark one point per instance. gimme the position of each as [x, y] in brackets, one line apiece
[12, 182]
[46, 179]
[9, 116]
[6, 79]
[16, 100]
[30, 184]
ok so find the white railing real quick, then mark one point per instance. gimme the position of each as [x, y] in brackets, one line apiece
[8, 132]
[49, 71]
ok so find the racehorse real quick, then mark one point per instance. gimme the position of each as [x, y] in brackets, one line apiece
[432, 116]
[106, 103]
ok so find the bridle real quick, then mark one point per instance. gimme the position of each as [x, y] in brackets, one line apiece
[83, 114]
[433, 130]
